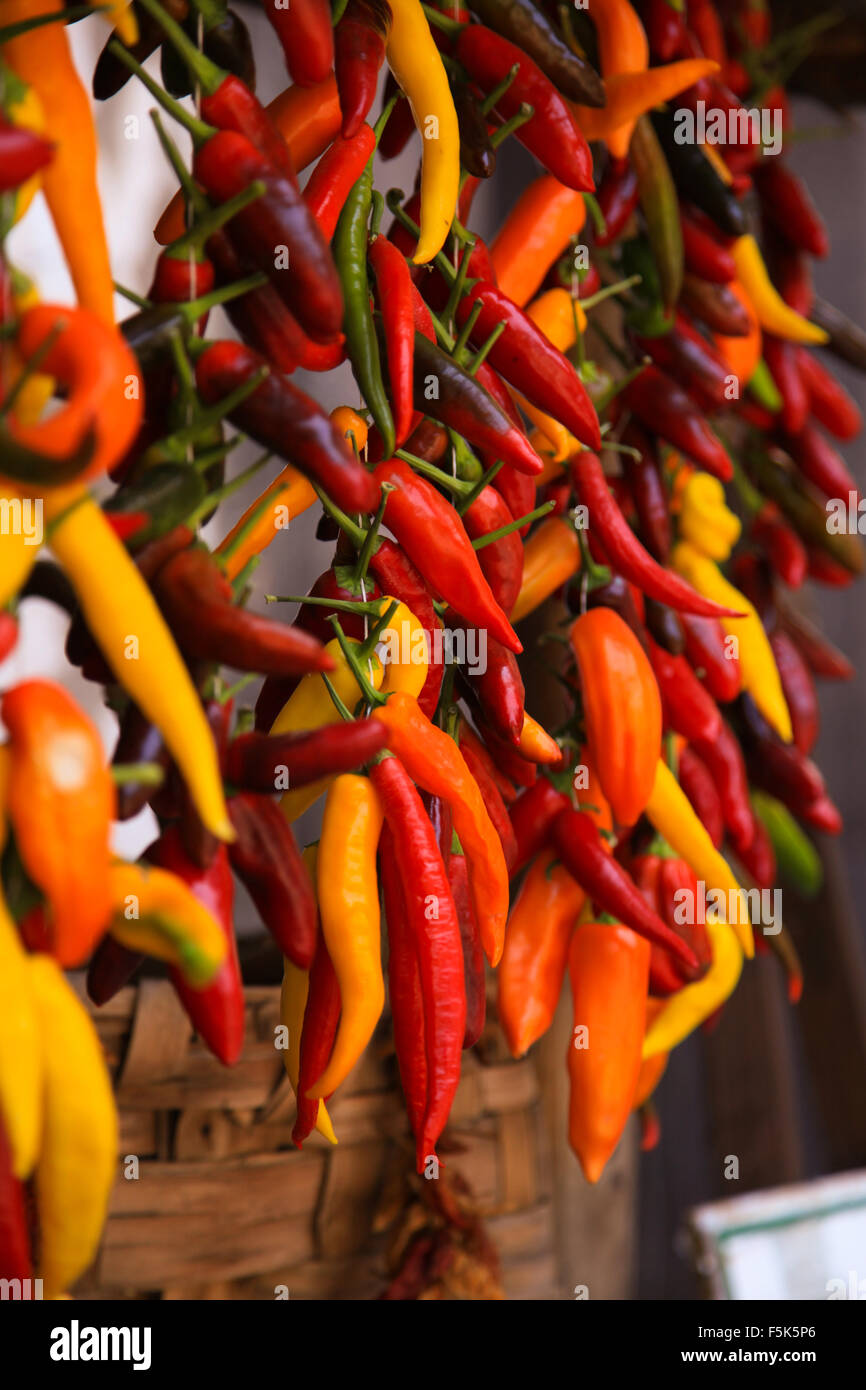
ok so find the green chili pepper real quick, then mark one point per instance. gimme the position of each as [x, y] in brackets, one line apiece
[646, 312]
[764, 389]
[350, 255]
[797, 859]
[696, 179]
[658, 199]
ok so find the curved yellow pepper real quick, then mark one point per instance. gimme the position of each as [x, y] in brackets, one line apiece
[760, 674]
[20, 1051]
[255, 530]
[691, 1005]
[417, 66]
[670, 812]
[169, 922]
[18, 551]
[293, 1002]
[705, 519]
[132, 635]
[402, 648]
[773, 313]
[78, 1157]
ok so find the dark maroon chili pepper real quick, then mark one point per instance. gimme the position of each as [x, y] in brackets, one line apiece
[779, 768]
[439, 813]
[785, 552]
[275, 762]
[501, 561]
[303, 274]
[335, 175]
[139, 741]
[665, 626]
[697, 782]
[616, 594]
[318, 1031]
[759, 858]
[474, 972]
[217, 1011]
[497, 685]
[618, 197]
[705, 254]
[626, 553]
[647, 489]
[304, 31]
[828, 401]
[273, 695]
[752, 575]
[401, 123]
[433, 536]
[506, 757]
[359, 52]
[464, 405]
[111, 75]
[662, 407]
[429, 441]
[692, 360]
[496, 807]
[583, 852]
[820, 655]
[724, 758]
[437, 939]
[477, 155]
[665, 26]
[530, 363]
[398, 576]
[15, 1256]
[111, 967]
[715, 305]
[707, 653]
[269, 865]
[404, 993]
[688, 709]
[528, 26]
[198, 602]
[799, 690]
[783, 360]
[786, 204]
[821, 464]
[199, 844]
[825, 570]
[280, 417]
[552, 133]
[532, 816]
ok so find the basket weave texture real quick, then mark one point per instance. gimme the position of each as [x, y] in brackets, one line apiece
[223, 1206]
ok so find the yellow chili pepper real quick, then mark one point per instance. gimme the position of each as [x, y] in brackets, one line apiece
[77, 1161]
[348, 892]
[760, 675]
[311, 707]
[43, 60]
[121, 16]
[689, 1007]
[705, 519]
[558, 443]
[773, 313]
[551, 555]
[417, 66]
[293, 1002]
[121, 612]
[288, 496]
[19, 549]
[671, 812]
[536, 744]
[38, 388]
[549, 456]
[156, 913]
[20, 1050]
[402, 648]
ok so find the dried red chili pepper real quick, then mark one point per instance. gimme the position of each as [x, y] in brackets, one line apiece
[583, 852]
[647, 491]
[783, 360]
[799, 690]
[474, 975]
[665, 26]
[828, 401]
[272, 762]
[404, 992]
[786, 205]
[437, 941]
[217, 1011]
[784, 550]
[705, 253]
[497, 684]
[659, 879]
[280, 417]
[688, 709]
[663, 408]
[759, 860]
[618, 198]
[697, 782]
[707, 649]
[821, 464]
[496, 807]
[821, 656]
[504, 786]
[15, 1258]
[692, 360]
[724, 758]
[319, 1029]
[307, 39]
[268, 862]
[359, 52]
[715, 305]
[779, 768]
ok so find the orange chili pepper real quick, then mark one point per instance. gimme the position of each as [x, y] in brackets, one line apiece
[537, 230]
[550, 557]
[101, 379]
[434, 761]
[536, 744]
[609, 971]
[621, 707]
[533, 962]
[351, 425]
[308, 118]
[288, 496]
[622, 47]
[631, 94]
[61, 805]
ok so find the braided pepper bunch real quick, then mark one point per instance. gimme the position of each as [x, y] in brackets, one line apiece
[610, 421]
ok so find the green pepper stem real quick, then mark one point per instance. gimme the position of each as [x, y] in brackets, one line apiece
[356, 533]
[524, 113]
[205, 226]
[193, 196]
[147, 774]
[477, 488]
[441, 21]
[515, 525]
[463, 335]
[499, 91]
[342, 605]
[596, 214]
[609, 290]
[369, 545]
[195, 308]
[341, 708]
[206, 73]
[63, 16]
[483, 352]
[436, 475]
[371, 695]
[199, 130]
[597, 575]
[384, 117]
[219, 494]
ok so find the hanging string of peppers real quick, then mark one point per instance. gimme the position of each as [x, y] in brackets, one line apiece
[651, 479]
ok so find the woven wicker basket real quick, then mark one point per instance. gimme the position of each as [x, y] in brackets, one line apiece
[220, 1205]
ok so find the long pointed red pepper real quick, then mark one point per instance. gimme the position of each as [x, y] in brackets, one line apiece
[267, 861]
[404, 993]
[394, 292]
[319, 1029]
[664, 408]
[257, 761]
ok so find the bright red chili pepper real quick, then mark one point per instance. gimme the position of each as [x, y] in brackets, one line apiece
[697, 782]
[496, 807]
[359, 52]
[686, 355]
[404, 993]
[496, 684]
[705, 255]
[799, 690]
[665, 26]
[304, 30]
[258, 762]
[724, 758]
[532, 816]
[552, 134]
[400, 578]
[319, 1029]
[759, 859]
[501, 561]
[506, 788]
[506, 757]
[336, 173]
[821, 464]
[828, 401]
[22, 154]
[474, 973]
[519, 491]
[707, 650]
[394, 295]
[688, 709]
[783, 360]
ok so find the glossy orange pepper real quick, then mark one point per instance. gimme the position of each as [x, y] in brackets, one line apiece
[61, 805]
[622, 47]
[742, 354]
[550, 557]
[537, 230]
[288, 496]
[609, 972]
[537, 937]
[631, 94]
[621, 707]
[536, 744]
